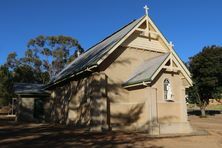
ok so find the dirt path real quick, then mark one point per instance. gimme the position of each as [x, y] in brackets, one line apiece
[213, 124]
[44, 135]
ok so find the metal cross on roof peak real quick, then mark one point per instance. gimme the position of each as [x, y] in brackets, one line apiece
[146, 9]
[171, 43]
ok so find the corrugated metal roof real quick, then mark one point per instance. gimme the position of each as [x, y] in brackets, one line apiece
[29, 89]
[95, 53]
[146, 70]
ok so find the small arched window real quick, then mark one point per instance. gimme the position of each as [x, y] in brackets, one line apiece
[167, 90]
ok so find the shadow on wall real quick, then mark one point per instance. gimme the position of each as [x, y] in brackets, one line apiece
[77, 102]
[85, 103]
[128, 118]
[25, 114]
[59, 105]
[133, 115]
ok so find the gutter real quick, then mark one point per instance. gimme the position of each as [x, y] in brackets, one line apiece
[32, 94]
[71, 76]
[138, 84]
[35, 95]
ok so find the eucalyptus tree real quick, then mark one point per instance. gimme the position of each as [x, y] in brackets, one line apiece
[55, 52]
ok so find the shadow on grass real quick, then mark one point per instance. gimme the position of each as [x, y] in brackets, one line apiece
[60, 136]
[208, 112]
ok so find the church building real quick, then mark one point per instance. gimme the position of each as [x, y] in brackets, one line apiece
[133, 80]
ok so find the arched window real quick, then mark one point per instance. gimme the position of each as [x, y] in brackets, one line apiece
[167, 90]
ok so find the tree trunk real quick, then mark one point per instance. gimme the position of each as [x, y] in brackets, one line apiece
[203, 112]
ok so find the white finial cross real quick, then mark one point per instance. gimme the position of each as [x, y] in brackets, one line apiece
[171, 44]
[146, 9]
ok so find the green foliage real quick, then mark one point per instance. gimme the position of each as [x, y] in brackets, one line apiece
[5, 85]
[206, 69]
[12, 61]
[44, 58]
[194, 97]
[55, 52]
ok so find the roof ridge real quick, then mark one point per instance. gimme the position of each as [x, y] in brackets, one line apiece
[111, 35]
[90, 58]
[67, 66]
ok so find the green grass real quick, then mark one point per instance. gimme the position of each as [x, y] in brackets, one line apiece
[209, 107]
[215, 107]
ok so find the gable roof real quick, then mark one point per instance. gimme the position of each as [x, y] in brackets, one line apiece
[95, 53]
[29, 89]
[146, 70]
[184, 69]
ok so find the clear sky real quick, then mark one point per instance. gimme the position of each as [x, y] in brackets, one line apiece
[190, 24]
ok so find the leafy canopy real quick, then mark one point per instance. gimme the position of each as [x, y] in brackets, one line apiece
[206, 69]
[44, 57]
[5, 85]
[55, 52]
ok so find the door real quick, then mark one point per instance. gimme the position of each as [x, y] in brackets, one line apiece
[38, 109]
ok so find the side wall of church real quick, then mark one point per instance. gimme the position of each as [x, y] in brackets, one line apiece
[79, 103]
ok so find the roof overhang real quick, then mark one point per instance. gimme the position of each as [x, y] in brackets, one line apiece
[142, 83]
[28, 89]
[26, 94]
[88, 69]
[162, 66]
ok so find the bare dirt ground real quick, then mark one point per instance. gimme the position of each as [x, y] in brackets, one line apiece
[45, 135]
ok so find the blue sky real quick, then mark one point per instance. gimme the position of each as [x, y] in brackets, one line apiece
[190, 24]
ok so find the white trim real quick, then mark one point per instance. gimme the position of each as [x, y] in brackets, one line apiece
[170, 48]
[87, 69]
[145, 84]
[138, 84]
[127, 103]
[171, 56]
[73, 75]
[147, 49]
[174, 69]
[121, 41]
[185, 71]
[181, 69]
[160, 68]
[140, 29]
[148, 32]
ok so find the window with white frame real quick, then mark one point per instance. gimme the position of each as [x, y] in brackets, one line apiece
[167, 90]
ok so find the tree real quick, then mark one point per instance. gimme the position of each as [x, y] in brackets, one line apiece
[5, 85]
[12, 61]
[206, 72]
[55, 52]
[26, 69]
[44, 58]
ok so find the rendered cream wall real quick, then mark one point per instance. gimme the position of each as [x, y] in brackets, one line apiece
[129, 108]
[174, 111]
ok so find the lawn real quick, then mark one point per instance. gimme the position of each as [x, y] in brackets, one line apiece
[215, 107]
